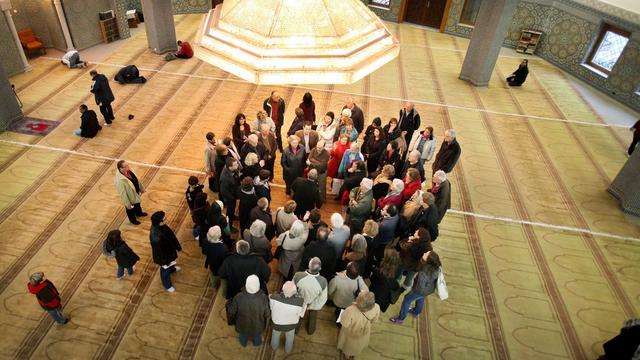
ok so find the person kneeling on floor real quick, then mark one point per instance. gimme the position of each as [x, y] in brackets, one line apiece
[184, 52]
[89, 125]
[72, 60]
[129, 75]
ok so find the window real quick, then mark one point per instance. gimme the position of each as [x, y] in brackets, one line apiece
[470, 12]
[381, 3]
[608, 48]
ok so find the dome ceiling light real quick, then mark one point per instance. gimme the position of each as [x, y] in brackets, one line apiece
[295, 41]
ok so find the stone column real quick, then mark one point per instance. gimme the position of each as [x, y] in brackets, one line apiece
[492, 23]
[5, 5]
[161, 31]
[10, 110]
[63, 24]
[626, 186]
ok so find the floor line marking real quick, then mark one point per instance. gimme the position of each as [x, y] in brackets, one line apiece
[453, 211]
[465, 108]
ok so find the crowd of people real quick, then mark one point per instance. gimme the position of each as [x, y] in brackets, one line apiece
[354, 261]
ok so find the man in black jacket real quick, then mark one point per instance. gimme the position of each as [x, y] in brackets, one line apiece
[104, 97]
[263, 213]
[229, 188]
[357, 116]
[164, 248]
[408, 121]
[237, 267]
[306, 193]
[324, 251]
[129, 75]
[89, 125]
[449, 153]
[274, 106]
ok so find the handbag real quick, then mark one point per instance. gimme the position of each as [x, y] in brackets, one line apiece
[441, 285]
[280, 248]
[357, 292]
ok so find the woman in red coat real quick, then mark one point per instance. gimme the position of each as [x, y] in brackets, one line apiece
[335, 156]
[411, 184]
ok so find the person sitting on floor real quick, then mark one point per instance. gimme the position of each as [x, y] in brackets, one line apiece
[184, 50]
[89, 126]
[129, 75]
[72, 60]
[520, 75]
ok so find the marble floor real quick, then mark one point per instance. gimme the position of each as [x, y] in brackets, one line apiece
[555, 287]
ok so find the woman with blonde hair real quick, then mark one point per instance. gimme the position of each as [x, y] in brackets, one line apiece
[285, 217]
[356, 323]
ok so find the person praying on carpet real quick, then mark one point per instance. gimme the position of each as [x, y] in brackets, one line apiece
[72, 60]
[520, 75]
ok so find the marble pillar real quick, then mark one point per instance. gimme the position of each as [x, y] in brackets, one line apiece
[161, 31]
[492, 23]
[626, 186]
[63, 24]
[5, 6]
[10, 110]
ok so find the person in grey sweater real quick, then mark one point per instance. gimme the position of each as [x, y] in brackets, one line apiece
[345, 287]
[286, 310]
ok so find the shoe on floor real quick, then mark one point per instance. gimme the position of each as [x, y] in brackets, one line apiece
[65, 321]
[171, 289]
[136, 222]
[120, 278]
[142, 214]
[396, 320]
[105, 124]
[178, 268]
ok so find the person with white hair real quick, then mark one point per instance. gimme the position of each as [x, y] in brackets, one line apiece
[48, 296]
[448, 154]
[357, 320]
[413, 162]
[292, 243]
[215, 252]
[255, 236]
[252, 145]
[250, 312]
[313, 287]
[287, 308]
[293, 162]
[339, 234]
[360, 204]
[237, 267]
[425, 143]
[394, 196]
[408, 121]
[351, 155]
[442, 191]
[356, 114]
[306, 194]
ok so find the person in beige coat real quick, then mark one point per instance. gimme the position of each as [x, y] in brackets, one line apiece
[129, 188]
[356, 323]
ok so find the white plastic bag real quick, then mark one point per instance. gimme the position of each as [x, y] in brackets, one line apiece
[441, 284]
[336, 185]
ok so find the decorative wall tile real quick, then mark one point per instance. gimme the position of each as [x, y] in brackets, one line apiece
[191, 6]
[84, 21]
[120, 8]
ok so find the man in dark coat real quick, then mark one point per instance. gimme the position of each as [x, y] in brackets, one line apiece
[89, 125]
[164, 248]
[449, 153]
[253, 145]
[274, 106]
[441, 190]
[263, 213]
[428, 217]
[408, 121]
[306, 193]
[237, 267]
[324, 251]
[229, 188]
[103, 95]
[357, 116]
[520, 75]
[129, 75]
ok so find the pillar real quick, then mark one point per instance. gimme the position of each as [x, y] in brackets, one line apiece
[10, 110]
[5, 5]
[492, 23]
[158, 20]
[626, 186]
[63, 24]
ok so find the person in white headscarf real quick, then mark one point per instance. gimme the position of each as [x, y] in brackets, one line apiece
[249, 311]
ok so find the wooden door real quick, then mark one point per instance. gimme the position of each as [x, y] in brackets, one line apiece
[425, 12]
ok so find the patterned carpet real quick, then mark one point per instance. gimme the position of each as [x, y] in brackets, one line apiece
[516, 291]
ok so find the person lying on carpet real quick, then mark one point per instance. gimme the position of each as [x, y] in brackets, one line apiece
[129, 75]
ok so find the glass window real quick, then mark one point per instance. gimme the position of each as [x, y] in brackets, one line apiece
[470, 12]
[383, 3]
[608, 48]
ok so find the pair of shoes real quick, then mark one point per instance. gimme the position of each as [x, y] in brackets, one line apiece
[413, 313]
[196, 238]
[136, 222]
[396, 320]
[178, 268]
[171, 289]
[142, 214]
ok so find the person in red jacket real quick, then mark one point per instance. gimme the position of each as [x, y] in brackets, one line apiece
[47, 296]
[412, 183]
[184, 50]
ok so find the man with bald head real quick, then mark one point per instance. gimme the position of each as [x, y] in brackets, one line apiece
[357, 116]
[408, 121]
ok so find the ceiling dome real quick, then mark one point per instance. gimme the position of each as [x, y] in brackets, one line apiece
[295, 41]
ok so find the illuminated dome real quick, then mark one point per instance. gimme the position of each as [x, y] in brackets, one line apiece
[295, 41]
